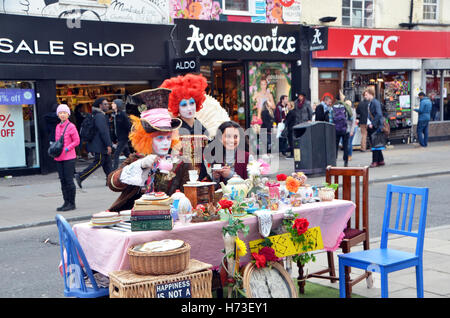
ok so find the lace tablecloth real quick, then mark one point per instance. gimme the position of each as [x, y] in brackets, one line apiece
[106, 249]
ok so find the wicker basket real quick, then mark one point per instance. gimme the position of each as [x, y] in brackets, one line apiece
[126, 284]
[160, 263]
[326, 194]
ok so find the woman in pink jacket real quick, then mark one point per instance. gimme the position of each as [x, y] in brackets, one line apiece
[66, 161]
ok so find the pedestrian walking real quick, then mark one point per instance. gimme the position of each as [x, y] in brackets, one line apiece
[353, 129]
[303, 109]
[424, 111]
[377, 138]
[362, 112]
[342, 119]
[65, 163]
[100, 144]
[268, 119]
[322, 110]
[122, 126]
[280, 110]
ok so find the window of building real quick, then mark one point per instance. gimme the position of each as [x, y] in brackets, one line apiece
[430, 9]
[358, 13]
[244, 7]
[18, 125]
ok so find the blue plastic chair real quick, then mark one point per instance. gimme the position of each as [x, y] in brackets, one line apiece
[385, 260]
[73, 272]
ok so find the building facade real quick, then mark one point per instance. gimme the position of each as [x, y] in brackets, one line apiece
[86, 49]
[399, 47]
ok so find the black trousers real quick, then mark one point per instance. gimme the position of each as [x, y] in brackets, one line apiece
[345, 138]
[66, 170]
[122, 146]
[100, 160]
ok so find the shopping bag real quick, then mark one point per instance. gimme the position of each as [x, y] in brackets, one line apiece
[378, 140]
[280, 129]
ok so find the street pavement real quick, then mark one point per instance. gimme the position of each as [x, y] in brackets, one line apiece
[31, 201]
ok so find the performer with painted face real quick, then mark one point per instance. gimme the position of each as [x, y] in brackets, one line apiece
[151, 168]
[185, 100]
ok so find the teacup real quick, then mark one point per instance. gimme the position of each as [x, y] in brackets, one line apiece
[193, 175]
[165, 166]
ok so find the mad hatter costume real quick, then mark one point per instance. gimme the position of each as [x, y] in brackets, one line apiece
[151, 168]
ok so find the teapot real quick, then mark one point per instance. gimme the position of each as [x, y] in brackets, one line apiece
[236, 183]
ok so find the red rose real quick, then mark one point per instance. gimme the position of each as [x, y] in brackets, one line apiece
[260, 260]
[281, 177]
[225, 204]
[269, 254]
[301, 225]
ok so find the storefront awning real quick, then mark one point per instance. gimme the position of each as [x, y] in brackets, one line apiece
[437, 64]
[386, 64]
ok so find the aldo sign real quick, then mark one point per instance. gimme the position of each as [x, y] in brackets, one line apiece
[186, 65]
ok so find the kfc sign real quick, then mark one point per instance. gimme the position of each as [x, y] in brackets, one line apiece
[345, 43]
[368, 45]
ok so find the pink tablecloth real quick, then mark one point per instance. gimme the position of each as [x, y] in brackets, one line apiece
[106, 249]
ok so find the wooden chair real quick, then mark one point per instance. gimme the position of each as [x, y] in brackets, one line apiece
[355, 233]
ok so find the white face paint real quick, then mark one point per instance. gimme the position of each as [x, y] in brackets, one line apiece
[161, 144]
[187, 108]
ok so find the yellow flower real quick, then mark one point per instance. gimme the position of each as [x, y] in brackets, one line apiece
[241, 247]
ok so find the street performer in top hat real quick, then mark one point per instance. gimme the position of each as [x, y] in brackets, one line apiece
[152, 168]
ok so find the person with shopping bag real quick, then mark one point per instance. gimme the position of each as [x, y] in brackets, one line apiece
[65, 162]
[375, 128]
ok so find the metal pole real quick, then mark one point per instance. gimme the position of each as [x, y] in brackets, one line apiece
[441, 101]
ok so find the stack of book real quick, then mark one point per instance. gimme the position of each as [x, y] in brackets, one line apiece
[151, 215]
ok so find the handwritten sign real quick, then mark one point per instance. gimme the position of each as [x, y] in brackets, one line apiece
[283, 245]
[180, 289]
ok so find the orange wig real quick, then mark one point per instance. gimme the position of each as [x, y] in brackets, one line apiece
[142, 140]
[185, 87]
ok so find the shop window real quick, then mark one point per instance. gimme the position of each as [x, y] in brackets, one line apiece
[358, 13]
[430, 10]
[268, 81]
[244, 7]
[433, 89]
[18, 125]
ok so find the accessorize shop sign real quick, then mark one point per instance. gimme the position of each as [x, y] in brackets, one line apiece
[40, 40]
[222, 40]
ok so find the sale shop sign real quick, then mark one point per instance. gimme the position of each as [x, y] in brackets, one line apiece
[12, 141]
[349, 43]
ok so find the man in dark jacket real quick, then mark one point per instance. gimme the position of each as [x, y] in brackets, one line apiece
[303, 109]
[362, 112]
[100, 145]
[121, 129]
[424, 118]
[302, 112]
[322, 112]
